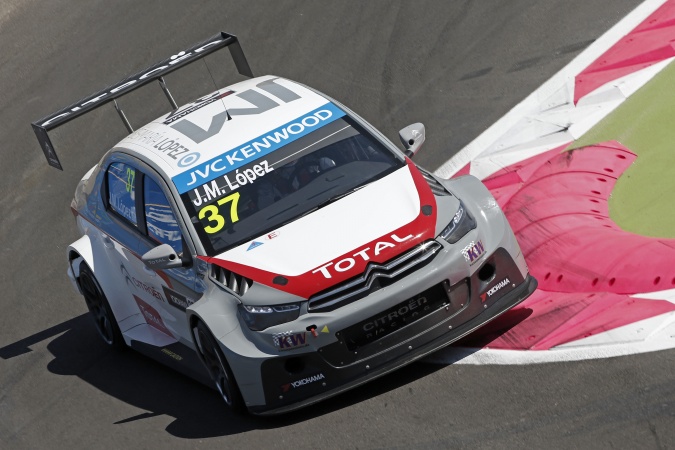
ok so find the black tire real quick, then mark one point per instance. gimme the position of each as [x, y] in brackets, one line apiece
[98, 305]
[218, 368]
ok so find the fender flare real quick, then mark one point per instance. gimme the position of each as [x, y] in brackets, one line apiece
[79, 250]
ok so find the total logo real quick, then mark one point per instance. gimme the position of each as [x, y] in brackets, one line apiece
[349, 262]
[493, 290]
[152, 316]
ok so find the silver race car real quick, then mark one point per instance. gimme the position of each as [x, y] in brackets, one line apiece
[267, 240]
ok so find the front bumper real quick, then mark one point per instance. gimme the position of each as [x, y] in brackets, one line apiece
[336, 368]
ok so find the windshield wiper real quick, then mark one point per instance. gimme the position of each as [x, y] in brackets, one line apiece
[282, 211]
[337, 197]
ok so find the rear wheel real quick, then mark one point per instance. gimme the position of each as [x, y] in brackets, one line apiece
[100, 310]
[218, 368]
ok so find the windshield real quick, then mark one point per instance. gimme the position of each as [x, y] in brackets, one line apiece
[307, 174]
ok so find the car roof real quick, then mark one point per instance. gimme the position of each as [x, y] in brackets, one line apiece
[197, 132]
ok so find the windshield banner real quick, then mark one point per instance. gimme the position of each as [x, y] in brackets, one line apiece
[256, 148]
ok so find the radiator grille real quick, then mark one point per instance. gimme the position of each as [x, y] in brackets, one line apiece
[376, 276]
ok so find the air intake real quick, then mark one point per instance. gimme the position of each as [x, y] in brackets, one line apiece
[436, 186]
[230, 280]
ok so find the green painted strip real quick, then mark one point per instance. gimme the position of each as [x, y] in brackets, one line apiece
[642, 201]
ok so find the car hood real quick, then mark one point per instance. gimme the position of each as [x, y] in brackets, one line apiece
[337, 242]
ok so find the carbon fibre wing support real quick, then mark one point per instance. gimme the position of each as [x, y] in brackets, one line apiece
[155, 72]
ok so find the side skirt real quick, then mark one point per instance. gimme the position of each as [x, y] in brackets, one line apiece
[177, 356]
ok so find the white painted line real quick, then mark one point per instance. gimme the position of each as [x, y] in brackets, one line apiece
[627, 340]
[557, 87]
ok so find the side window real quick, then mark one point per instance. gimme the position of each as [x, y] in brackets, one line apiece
[121, 191]
[162, 225]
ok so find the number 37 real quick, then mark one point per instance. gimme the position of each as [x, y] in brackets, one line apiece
[212, 213]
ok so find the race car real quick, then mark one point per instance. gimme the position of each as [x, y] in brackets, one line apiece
[268, 241]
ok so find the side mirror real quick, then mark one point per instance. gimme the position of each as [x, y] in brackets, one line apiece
[412, 138]
[162, 257]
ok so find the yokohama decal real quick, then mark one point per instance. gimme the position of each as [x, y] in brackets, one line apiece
[354, 262]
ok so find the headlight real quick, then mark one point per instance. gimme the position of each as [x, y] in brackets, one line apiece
[260, 317]
[460, 224]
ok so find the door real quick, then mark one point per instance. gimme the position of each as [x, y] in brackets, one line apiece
[172, 290]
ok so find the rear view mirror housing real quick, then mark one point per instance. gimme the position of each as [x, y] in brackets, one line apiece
[412, 137]
[162, 257]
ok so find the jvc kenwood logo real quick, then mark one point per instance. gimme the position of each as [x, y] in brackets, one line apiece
[236, 157]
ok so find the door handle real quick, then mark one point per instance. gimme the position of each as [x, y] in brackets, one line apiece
[107, 242]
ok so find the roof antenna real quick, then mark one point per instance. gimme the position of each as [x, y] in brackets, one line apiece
[227, 113]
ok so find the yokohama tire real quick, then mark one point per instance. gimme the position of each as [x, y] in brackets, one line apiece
[218, 368]
[98, 305]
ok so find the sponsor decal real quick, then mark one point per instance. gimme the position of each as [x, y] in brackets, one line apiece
[261, 103]
[253, 245]
[194, 106]
[473, 251]
[493, 290]
[170, 147]
[146, 136]
[189, 159]
[394, 319]
[139, 285]
[272, 235]
[256, 148]
[290, 340]
[152, 316]
[348, 263]
[303, 382]
[146, 288]
[171, 354]
[177, 300]
[325, 329]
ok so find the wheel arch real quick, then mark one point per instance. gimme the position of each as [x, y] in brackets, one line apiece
[220, 317]
[217, 310]
[80, 250]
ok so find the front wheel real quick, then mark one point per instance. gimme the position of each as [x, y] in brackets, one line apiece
[98, 305]
[218, 368]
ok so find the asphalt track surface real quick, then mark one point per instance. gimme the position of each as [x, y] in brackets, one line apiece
[455, 66]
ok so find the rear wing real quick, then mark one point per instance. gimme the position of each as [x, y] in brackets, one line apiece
[153, 73]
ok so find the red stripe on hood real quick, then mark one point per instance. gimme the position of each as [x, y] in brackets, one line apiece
[355, 261]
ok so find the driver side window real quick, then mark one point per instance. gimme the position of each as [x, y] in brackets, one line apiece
[160, 220]
[122, 191]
